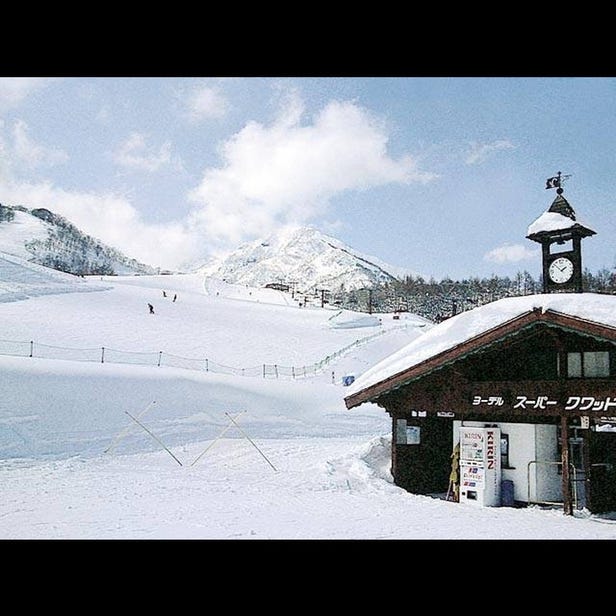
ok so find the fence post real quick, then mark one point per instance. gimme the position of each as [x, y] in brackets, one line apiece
[103, 355]
[160, 355]
[263, 370]
[31, 348]
[207, 365]
[293, 371]
[276, 370]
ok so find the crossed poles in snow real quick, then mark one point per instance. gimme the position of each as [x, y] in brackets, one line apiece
[232, 422]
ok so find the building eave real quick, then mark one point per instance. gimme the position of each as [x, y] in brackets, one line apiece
[479, 343]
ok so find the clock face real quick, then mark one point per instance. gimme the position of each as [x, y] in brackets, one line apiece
[561, 270]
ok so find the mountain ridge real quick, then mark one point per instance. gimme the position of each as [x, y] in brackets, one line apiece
[300, 257]
[43, 237]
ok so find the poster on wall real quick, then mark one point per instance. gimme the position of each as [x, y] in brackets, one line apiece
[407, 435]
[413, 435]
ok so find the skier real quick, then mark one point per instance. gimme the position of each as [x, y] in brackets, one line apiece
[164, 293]
[151, 308]
[175, 296]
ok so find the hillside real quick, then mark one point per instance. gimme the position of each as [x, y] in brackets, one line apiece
[40, 236]
[21, 279]
[194, 344]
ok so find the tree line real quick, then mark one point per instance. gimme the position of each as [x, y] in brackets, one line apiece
[437, 300]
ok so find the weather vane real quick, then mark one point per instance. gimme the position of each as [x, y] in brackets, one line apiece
[556, 182]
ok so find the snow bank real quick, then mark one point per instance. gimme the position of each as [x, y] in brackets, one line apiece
[350, 320]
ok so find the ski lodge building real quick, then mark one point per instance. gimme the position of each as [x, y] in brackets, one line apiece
[514, 402]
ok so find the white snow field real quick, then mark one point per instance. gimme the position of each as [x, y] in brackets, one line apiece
[126, 449]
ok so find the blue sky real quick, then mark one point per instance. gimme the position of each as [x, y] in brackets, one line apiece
[441, 176]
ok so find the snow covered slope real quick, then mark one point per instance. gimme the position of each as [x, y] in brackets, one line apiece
[75, 465]
[65, 400]
[20, 279]
[305, 257]
[43, 237]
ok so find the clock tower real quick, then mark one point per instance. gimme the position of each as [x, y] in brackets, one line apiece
[560, 233]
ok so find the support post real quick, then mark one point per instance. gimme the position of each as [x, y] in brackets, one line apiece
[566, 483]
[393, 468]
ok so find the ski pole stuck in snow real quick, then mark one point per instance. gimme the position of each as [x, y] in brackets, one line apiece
[154, 437]
[126, 430]
[216, 439]
[251, 441]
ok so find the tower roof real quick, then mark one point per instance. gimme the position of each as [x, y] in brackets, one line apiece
[560, 217]
[561, 206]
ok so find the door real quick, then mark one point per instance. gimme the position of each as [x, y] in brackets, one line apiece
[601, 485]
[423, 463]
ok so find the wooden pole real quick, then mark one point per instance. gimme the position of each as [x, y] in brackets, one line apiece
[154, 437]
[586, 463]
[250, 440]
[216, 439]
[564, 435]
[394, 438]
[126, 430]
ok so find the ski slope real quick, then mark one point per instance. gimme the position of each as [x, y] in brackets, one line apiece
[109, 450]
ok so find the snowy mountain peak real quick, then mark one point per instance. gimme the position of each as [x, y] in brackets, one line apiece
[305, 257]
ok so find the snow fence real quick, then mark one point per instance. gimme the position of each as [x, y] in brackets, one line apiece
[160, 358]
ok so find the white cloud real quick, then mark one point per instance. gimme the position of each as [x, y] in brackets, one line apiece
[479, 152]
[19, 153]
[111, 219]
[5, 157]
[108, 217]
[206, 103]
[511, 253]
[287, 172]
[31, 153]
[15, 89]
[135, 155]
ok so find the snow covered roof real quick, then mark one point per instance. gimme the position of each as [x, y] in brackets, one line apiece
[559, 217]
[591, 308]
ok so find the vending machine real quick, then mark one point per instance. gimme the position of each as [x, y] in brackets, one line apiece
[480, 466]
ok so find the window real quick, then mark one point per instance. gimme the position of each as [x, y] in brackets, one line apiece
[400, 431]
[588, 364]
[504, 450]
[596, 364]
[574, 365]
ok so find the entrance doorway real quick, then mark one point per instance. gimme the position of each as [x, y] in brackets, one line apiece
[601, 495]
[423, 466]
